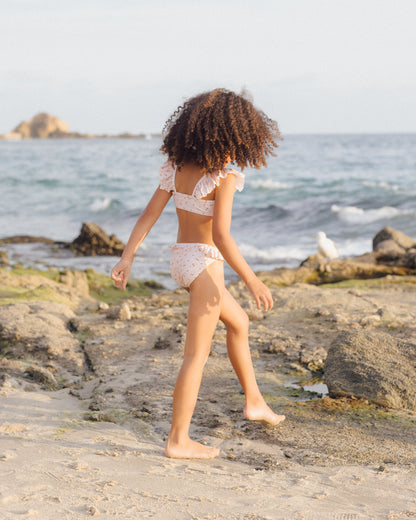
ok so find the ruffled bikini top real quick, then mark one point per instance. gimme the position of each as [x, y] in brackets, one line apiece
[206, 184]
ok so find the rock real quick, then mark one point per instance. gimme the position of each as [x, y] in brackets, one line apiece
[76, 280]
[162, 344]
[39, 330]
[12, 136]
[72, 291]
[25, 239]
[367, 321]
[41, 126]
[94, 241]
[283, 344]
[411, 258]
[119, 312]
[391, 247]
[316, 261]
[42, 375]
[372, 365]
[102, 306]
[253, 313]
[371, 266]
[312, 356]
[388, 233]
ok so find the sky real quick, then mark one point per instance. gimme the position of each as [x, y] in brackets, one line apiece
[109, 66]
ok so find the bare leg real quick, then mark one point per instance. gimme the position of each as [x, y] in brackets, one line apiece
[206, 294]
[236, 322]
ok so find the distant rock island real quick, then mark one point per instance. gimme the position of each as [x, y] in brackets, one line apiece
[45, 126]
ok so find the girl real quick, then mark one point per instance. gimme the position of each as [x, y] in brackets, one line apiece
[202, 136]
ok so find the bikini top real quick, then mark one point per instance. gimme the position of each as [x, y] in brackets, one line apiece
[206, 184]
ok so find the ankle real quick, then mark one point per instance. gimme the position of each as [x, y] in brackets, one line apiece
[252, 401]
[178, 438]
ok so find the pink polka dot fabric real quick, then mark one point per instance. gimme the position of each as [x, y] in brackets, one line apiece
[190, 259]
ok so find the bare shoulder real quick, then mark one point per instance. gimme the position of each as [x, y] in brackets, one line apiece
[228, 182]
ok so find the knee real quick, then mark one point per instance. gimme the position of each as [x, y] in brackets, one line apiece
[197, 358]
[239, 325]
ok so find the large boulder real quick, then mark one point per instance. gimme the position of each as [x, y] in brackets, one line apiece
[93, 241]
[389, 235]
[394, 248]
[372, 365]
[41, 126]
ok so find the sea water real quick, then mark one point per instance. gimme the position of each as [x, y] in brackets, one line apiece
[349, 186]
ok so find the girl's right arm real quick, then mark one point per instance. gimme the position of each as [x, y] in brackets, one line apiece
[121, 272]
[221, 225]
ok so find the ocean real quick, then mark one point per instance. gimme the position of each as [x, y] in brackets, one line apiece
[349, 186]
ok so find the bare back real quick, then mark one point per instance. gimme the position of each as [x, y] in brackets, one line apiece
[192, 227]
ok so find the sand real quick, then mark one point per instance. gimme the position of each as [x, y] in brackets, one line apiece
[54, 464]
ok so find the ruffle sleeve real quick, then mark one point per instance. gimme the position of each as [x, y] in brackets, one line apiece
[211, 180]
[166, 176]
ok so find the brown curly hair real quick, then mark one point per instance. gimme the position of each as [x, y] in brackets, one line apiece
[217, 127]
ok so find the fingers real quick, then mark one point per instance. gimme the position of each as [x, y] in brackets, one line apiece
[262, 295]
[267, 301]
[119, 278]
[264, 299]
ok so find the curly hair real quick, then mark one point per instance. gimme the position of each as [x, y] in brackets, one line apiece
[217, 127]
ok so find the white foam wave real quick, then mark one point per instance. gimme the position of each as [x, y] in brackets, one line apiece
[269, 184]
[381, 184]
[356, 246]
[271, 254]
[100, 204]
[354, 215]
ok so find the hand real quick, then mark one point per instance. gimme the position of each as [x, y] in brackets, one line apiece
[261, 293]
[120, 273]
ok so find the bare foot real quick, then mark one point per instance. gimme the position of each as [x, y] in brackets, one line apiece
[190, 450]
[263, 413]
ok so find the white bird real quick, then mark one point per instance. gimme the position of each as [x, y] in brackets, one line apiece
[326, 246]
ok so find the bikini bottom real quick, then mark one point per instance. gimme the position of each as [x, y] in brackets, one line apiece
[190, 259]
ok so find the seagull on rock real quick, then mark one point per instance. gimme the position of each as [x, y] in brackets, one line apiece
[326, 246]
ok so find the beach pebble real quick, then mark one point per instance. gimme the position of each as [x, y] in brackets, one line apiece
[93, 510]
[102, 306]
[370, 320]
[121, 312]
[162, 344]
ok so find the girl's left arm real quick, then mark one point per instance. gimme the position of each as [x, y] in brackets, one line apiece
[224, 195]
[144, 224]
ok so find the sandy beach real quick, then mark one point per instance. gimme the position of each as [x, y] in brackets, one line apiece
[85, 407]
[57, 465]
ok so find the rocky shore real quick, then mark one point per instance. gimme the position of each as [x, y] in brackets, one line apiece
[338, 359]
